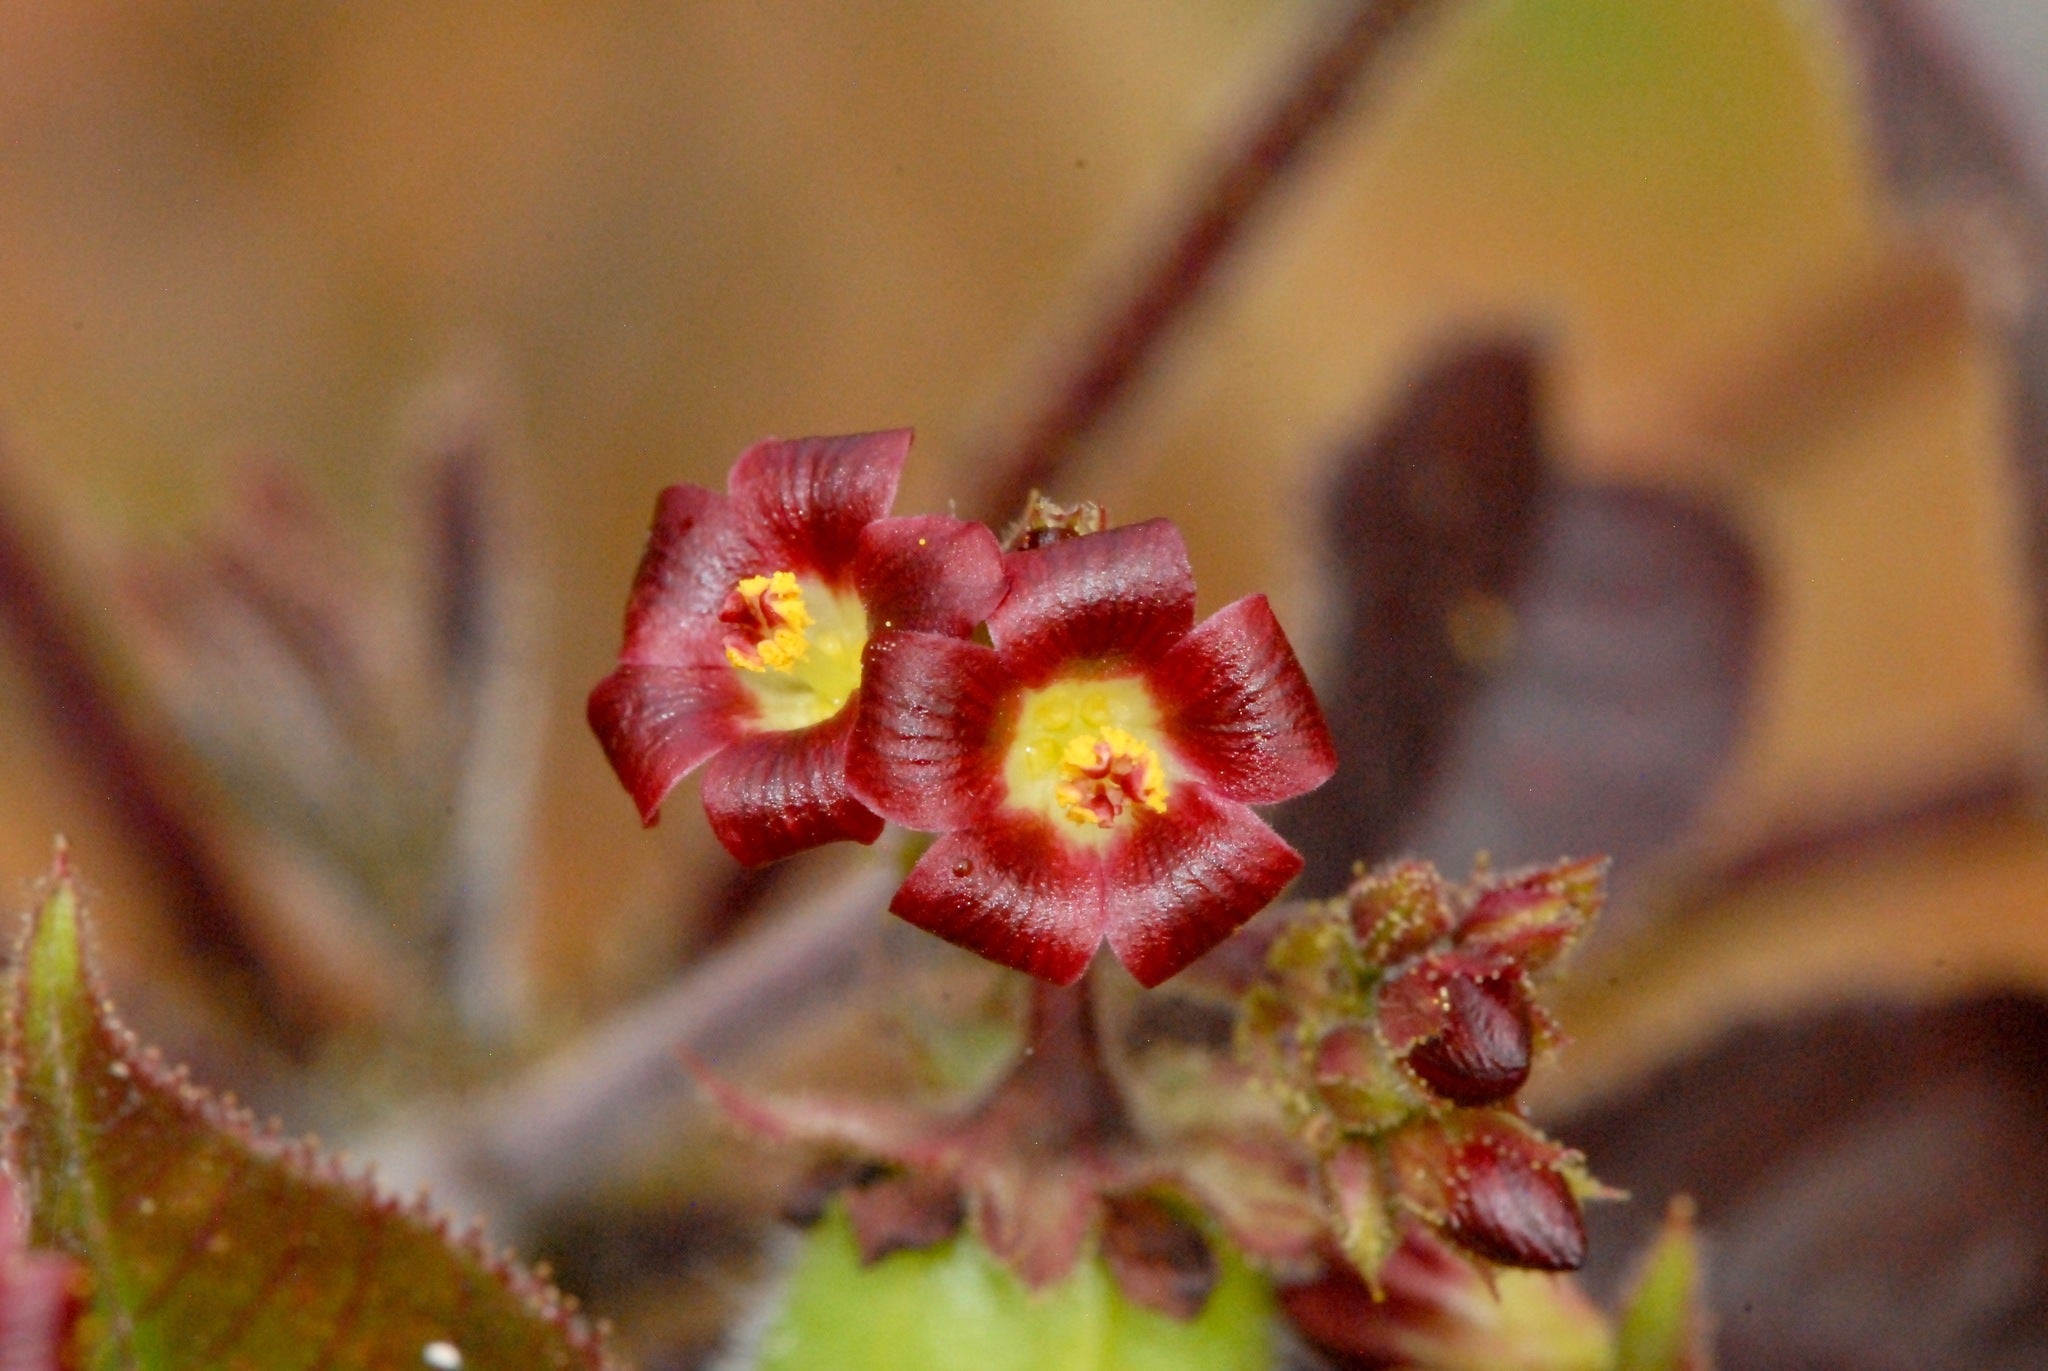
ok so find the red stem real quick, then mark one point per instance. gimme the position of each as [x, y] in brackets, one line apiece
[1172, 275]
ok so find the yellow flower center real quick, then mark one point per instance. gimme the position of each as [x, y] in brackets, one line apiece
[768, 620]
[796, 645]
[1080, 755]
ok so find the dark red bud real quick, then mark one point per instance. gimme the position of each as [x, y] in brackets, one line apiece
[1482, 1054]
[1514, 1210]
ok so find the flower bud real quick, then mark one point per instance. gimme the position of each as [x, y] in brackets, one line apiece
[1515, 1211]
[1398, 911]
[1496, 1187]
[1482, 1054]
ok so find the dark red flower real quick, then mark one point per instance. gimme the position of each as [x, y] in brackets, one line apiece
[1090, 771]
[745, 629]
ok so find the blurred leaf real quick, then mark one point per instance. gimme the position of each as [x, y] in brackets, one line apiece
[1663, 1325]
[1525, 668]
[1871, 1182]
[1616, 699]
[956, 1308]
[213, 1244]
[1429, 522]
[1957, 170]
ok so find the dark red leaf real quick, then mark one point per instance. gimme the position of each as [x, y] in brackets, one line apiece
[1430, 517]
[1157, 1258]
[1872, 1184]
[902, 1213]
[1606, 728]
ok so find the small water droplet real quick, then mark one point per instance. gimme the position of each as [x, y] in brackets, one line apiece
[145, 1205]
[119, 1071]
[442, 1356]
[963, 867]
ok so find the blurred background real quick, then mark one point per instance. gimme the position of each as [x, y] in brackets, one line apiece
[414, 309]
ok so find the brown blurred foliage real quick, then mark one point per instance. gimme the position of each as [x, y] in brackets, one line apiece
[650, 234]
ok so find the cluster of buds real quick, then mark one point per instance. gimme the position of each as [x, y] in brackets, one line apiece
[1397, 1025]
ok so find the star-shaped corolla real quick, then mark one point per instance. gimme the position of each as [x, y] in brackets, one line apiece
[746, 626]
[1090, 770]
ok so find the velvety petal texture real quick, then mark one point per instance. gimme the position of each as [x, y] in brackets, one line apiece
[1241, 709]
[1089, 772]
[929, 573]
[772, 794]
[1124, 593]
[743, 635]
[696, 550]
[659, 723]
[1010, 890]
[925, 748]
[1187, 879]
[813, 496]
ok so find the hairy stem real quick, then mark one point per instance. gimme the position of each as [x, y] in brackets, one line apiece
[573, 1120]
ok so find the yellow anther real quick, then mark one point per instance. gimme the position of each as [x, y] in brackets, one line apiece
[1103, 772]
[1081, 755]
[771, 617]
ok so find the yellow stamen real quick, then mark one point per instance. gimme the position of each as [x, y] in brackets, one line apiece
[1080, 754]
[771, 607]
[1099, 774]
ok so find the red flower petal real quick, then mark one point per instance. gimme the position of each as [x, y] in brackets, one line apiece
[1011, 891]
[779, 792]
[659, 723]
[1239, 707]
[923, 750]
[1128, 592]
[1186, 879]
[813, 496]
[696, 551]
[928, 572]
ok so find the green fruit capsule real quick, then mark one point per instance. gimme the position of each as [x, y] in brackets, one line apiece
[956, 1308]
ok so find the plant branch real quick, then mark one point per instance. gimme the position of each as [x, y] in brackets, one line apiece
[136, 781]
[1171, 275]
[570, 1122]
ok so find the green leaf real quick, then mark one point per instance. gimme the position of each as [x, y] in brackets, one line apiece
[956, 1308]
[1662, 1325]
[212, 1244]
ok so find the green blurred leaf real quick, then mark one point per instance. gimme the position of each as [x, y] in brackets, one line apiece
[213, 1244]
[956, 1308]
[1663, 1324]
